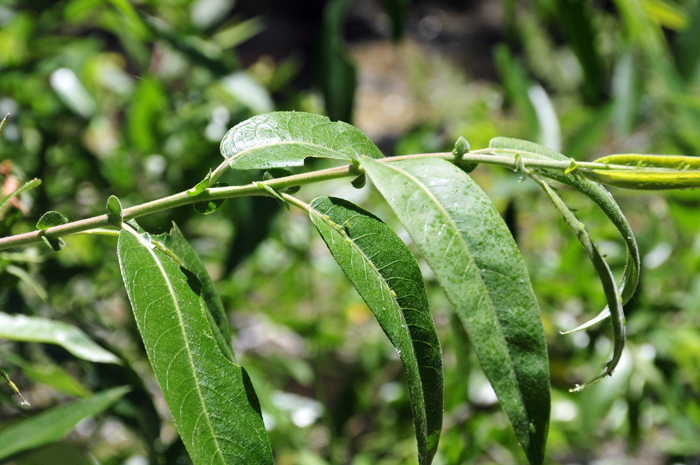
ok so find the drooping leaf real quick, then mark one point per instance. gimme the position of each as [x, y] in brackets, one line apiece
[53, 425]
[336, 70]
[50, 219]
[387, 276]
[210, 206]
[114, 211]
[476, 261]
[593, 190]
[606, 277]
[178, 245]
[212, 400]
[283, 139]
[35, 329]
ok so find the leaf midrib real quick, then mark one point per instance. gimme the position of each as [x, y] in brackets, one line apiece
[394, 300]
[187, 344]
[238, 155]
[468, 252]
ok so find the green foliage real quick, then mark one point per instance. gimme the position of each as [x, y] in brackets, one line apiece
[52, 426]
[474, 257]
[211, 398]
[284, 139]
[387, 276]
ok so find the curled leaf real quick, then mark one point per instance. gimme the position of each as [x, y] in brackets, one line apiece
[652, 172]
[200, 186]
[114, 209]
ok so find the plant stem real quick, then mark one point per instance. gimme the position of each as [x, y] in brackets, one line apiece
[486, 156]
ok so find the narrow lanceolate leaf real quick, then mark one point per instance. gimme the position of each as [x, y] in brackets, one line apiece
[212, 400]
[593, 190]
[606, 277]
[282, 139]
[388, 278]
[53, 425]
[35, 329]
[176, 243]
[476, 261]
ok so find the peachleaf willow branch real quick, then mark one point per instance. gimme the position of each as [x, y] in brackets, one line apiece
[486, 156]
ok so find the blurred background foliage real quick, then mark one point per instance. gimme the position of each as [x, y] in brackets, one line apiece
[131, 99]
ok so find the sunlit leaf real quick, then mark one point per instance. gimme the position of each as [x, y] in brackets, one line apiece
[387, 276]
[211, 399]
[35, 329]
[283, 139]
[476, 261]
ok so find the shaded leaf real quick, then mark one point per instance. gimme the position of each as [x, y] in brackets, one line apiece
[211, 399]
[387, 276]
[50, 375]
[53, 425]
[178, 245]
[13, 386]
[396, 10]
[50, 219]
[35, 329]
[476, 261]
[282, 139]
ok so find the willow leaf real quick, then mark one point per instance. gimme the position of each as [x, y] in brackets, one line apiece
[387, 276]
[476, 261]
[212, 400]
[53, 425]
[25, 187]
[606, 277]
[286, 138]
[176, 243]
[35, 329]
[595, 191]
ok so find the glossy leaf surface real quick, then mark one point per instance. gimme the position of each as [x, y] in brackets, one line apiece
[387, 276]
[476, 261]
[211, 399]
[53, 425]
[35, 329]
[283, 139]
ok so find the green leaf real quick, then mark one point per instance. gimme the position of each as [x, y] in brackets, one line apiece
[210, 206]
[211, 399]
[476, 261]
[53, 425]
[25, 187]
[606, 277]
[114, 211]
[178, 245]
[336, 70]
[35, 329]
[200, 186]
[388, 278]
[593, 190]
[282, 139]
[50, 219]
[13, 386]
